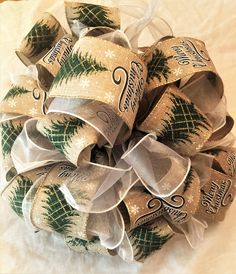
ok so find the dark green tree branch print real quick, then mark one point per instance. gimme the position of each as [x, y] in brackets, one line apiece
[41, 37]
[77, 65]
[18, 193]
[158, 66]
[145, 240]
[59, 213]
[183, 121]
[189, 179]
[91, 15]
[15, 91]
[9, 134]
[74, 241]
[60, 133]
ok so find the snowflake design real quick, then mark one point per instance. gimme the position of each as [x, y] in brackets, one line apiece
[81, 235]
[12, 103]
[89, 187]
[109, 97]
[80, 142]
[33, 111]
[30, 82]
[38, 221]
[166, 186]
[134, 209]
[190, 198]
[109, 54]
[84, 83]
[178, 71]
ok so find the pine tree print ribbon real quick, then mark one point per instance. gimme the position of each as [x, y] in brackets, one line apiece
[149, 237]
[51, 63]
[177, 58]
[17, 189]
[83, 15]
[177, 122]
[103, 71]
[87, 246]
[9, 131]
[50, 211]
[24, 92]
[41, 38]
[70, 135]
[219, 192]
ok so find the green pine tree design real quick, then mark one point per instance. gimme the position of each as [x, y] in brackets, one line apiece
[189, 179]
[91, 15]
[77, 65]
[184, 120]
[18, 194]
[58, 213]
[60, 133]
[16, 91]
[41, 37]
[9, 135]
[158, 66]
[74, 241]
[145, 240]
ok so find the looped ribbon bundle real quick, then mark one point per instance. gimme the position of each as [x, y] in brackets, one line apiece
[116, 146]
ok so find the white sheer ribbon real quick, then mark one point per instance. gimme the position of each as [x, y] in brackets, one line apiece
[31, 150]
[108, 185]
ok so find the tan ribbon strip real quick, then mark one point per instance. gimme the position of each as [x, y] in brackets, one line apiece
[140, 206]
[17, 189]
[87, 246]
[177, 122]
[41, 38]
[71, 136]
[50, 211]
[9, 131]
[225, 160]
[217, 196]
[218, 193]
[176, 58]
[150, 237]
[24, 92]
[51, 63]
[103, 71]
[81, 15]
[217, 137]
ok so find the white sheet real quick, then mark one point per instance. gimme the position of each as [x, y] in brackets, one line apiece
[22, 251]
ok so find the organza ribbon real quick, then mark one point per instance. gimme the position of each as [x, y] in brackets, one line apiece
[114, 145]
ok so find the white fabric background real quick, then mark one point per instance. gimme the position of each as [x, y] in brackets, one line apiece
[22, 251]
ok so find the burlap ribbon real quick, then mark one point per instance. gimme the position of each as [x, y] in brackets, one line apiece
[109, 147]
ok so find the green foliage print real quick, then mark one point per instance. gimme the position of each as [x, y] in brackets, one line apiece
[74, 241]
[41, 37]
[9, 135]
[158, 66]
[58, 212]
[18, 193]
[91, 15]
[145, 240]
[77, 65]
[184, 120]
[60, 133]
[15, 91]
